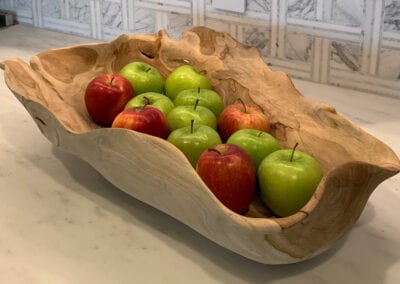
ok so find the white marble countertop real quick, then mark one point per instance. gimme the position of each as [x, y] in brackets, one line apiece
[61, 222]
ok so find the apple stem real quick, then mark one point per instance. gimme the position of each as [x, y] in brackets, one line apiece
[214, 150]
[112, 80]
[146, 100]
[146, 103]
[294, 148]
[148, 69]
[198, 90]
[259, 133]
[196, 103]
[243, 104]
[191, 126]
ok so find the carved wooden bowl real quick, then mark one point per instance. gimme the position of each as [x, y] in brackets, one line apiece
[52, 85]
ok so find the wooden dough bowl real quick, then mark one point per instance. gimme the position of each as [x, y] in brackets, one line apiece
[51, 87]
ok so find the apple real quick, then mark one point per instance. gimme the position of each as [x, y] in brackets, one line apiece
[194, 139]
[143, 77]
[287, 179]
[258, 144]
[230, 174]
[157, 100]
[106, 96]
[145, 119]
[239, 116]
[207, 98]
[185, 77]
[181, 116]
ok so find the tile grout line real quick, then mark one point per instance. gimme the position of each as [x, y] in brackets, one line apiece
[161, 21]
[99, 26]
[367, 34]
[317, 51]
[66, 9]
[282, 14]
[326, 7]
[198, 12]
[376, 36]
[131, 15]
[124, 16]
[35, 13]
[316, 60]
[93, 19]
[325, 61]
[274, 28]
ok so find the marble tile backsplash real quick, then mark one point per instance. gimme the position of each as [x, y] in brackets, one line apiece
[350, 43]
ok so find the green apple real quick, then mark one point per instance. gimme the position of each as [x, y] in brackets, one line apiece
[181, 116]
[143, 77]
[207, 98]
[157, 100]
[287, 179]
[258, 144]
[193, 140]
[185, 77]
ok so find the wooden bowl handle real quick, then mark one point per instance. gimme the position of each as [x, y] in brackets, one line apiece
[333, 210]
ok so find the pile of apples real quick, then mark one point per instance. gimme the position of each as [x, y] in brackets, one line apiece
[229, 146]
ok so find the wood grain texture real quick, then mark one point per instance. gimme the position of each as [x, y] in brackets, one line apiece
[52, 85]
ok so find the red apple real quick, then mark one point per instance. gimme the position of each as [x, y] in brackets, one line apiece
[145, 119]
[240, 116]
[105, 96]
[230, 174]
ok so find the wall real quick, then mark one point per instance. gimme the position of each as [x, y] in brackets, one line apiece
[351, 43]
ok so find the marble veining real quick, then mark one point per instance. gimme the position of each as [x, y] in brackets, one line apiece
[51, 8]
[25, 4]
[257, 37]
[346, 56]
[260, 6]
[111, 12]
[144, 20]
[218, 25]
[298, 47]
[79, 11]
[177, 24]
[305, 9]
[392, 15]
[387, 67]
[348, 12]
